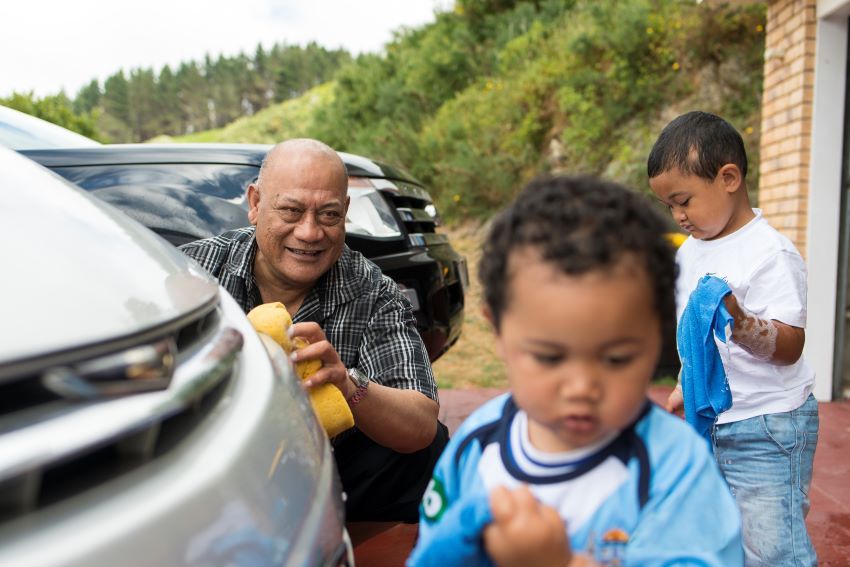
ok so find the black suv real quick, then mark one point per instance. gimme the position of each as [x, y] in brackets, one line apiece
[189, 191]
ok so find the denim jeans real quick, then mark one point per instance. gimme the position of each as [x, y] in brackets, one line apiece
[767, 462]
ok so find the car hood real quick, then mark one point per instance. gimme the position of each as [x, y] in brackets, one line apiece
[78, 272]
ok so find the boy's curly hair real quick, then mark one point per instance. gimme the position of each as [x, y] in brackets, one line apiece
[580, 224]
[697, 143]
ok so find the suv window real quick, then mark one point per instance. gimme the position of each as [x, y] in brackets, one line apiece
[190, 201]
[225, 181]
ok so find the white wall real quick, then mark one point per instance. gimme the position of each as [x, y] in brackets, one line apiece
[825, 189]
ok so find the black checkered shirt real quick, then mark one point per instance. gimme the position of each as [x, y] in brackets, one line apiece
[363, 314]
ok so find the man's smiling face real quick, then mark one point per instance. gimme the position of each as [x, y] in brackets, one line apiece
[299, 207]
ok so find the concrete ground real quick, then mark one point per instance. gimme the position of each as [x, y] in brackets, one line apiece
[828, 520]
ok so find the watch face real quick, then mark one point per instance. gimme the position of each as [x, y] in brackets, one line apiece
[358, 377]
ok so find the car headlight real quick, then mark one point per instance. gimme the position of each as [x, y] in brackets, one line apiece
[369, 214]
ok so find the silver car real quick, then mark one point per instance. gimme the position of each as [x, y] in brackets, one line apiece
[142, 420]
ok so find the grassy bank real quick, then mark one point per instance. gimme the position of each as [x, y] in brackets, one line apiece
[472, 361]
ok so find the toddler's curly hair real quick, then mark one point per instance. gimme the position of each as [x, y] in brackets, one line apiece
[580, 224]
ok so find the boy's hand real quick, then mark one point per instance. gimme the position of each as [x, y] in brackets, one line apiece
[766, 339]
[675, 401]
[525, 532]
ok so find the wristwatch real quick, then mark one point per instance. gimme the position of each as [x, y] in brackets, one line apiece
[362, 382]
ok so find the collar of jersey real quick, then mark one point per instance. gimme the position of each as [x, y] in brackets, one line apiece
[549, 473]
[532, 459]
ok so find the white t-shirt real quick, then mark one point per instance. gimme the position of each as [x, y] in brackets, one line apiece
[768, 277]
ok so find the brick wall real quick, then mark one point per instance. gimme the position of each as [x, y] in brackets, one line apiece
[786, 116]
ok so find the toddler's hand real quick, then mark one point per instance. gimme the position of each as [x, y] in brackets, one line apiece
[675, 401]
[525, 532]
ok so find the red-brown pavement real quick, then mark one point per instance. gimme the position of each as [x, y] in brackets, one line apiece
[828, 520]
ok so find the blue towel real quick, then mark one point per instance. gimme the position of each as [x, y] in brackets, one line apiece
[456, 541]
[704, 385]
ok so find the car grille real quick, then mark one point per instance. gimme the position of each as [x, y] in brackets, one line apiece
[52, 447]
[412, 204]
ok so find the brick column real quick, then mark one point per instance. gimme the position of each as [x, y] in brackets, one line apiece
[786, 116]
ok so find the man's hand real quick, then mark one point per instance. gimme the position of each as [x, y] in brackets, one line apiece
[675, 401]
[333, 371]
[525, 532]
[402, 420]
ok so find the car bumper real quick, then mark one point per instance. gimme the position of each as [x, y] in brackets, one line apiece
[254, 480]
[437, 276]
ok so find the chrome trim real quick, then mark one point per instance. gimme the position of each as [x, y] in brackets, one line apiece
[410, 190]
[12, 370]
[402, 189]
[463, 273]
[418, 215]
[427, 238]
[436, 238]
[140, 369]
[29, 446]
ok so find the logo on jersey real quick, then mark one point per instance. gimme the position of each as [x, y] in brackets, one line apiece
[434, 500]
[611, 550]
[612, 547]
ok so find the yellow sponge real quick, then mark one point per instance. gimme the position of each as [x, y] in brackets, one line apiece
[328, 402]
[305, 368]
[272, 319]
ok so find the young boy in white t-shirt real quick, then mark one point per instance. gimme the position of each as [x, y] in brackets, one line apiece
[765, 443]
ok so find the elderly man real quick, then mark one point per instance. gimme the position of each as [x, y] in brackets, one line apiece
[356, 320]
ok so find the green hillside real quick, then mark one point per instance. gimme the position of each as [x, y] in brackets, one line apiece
[289, 119]
[497, 91]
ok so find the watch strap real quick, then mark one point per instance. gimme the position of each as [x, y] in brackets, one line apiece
[357, 396]
[362, 382]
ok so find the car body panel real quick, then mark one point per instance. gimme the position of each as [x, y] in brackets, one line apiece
[20, 131]
[125, 274]
[224, 463]
[256, 473]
